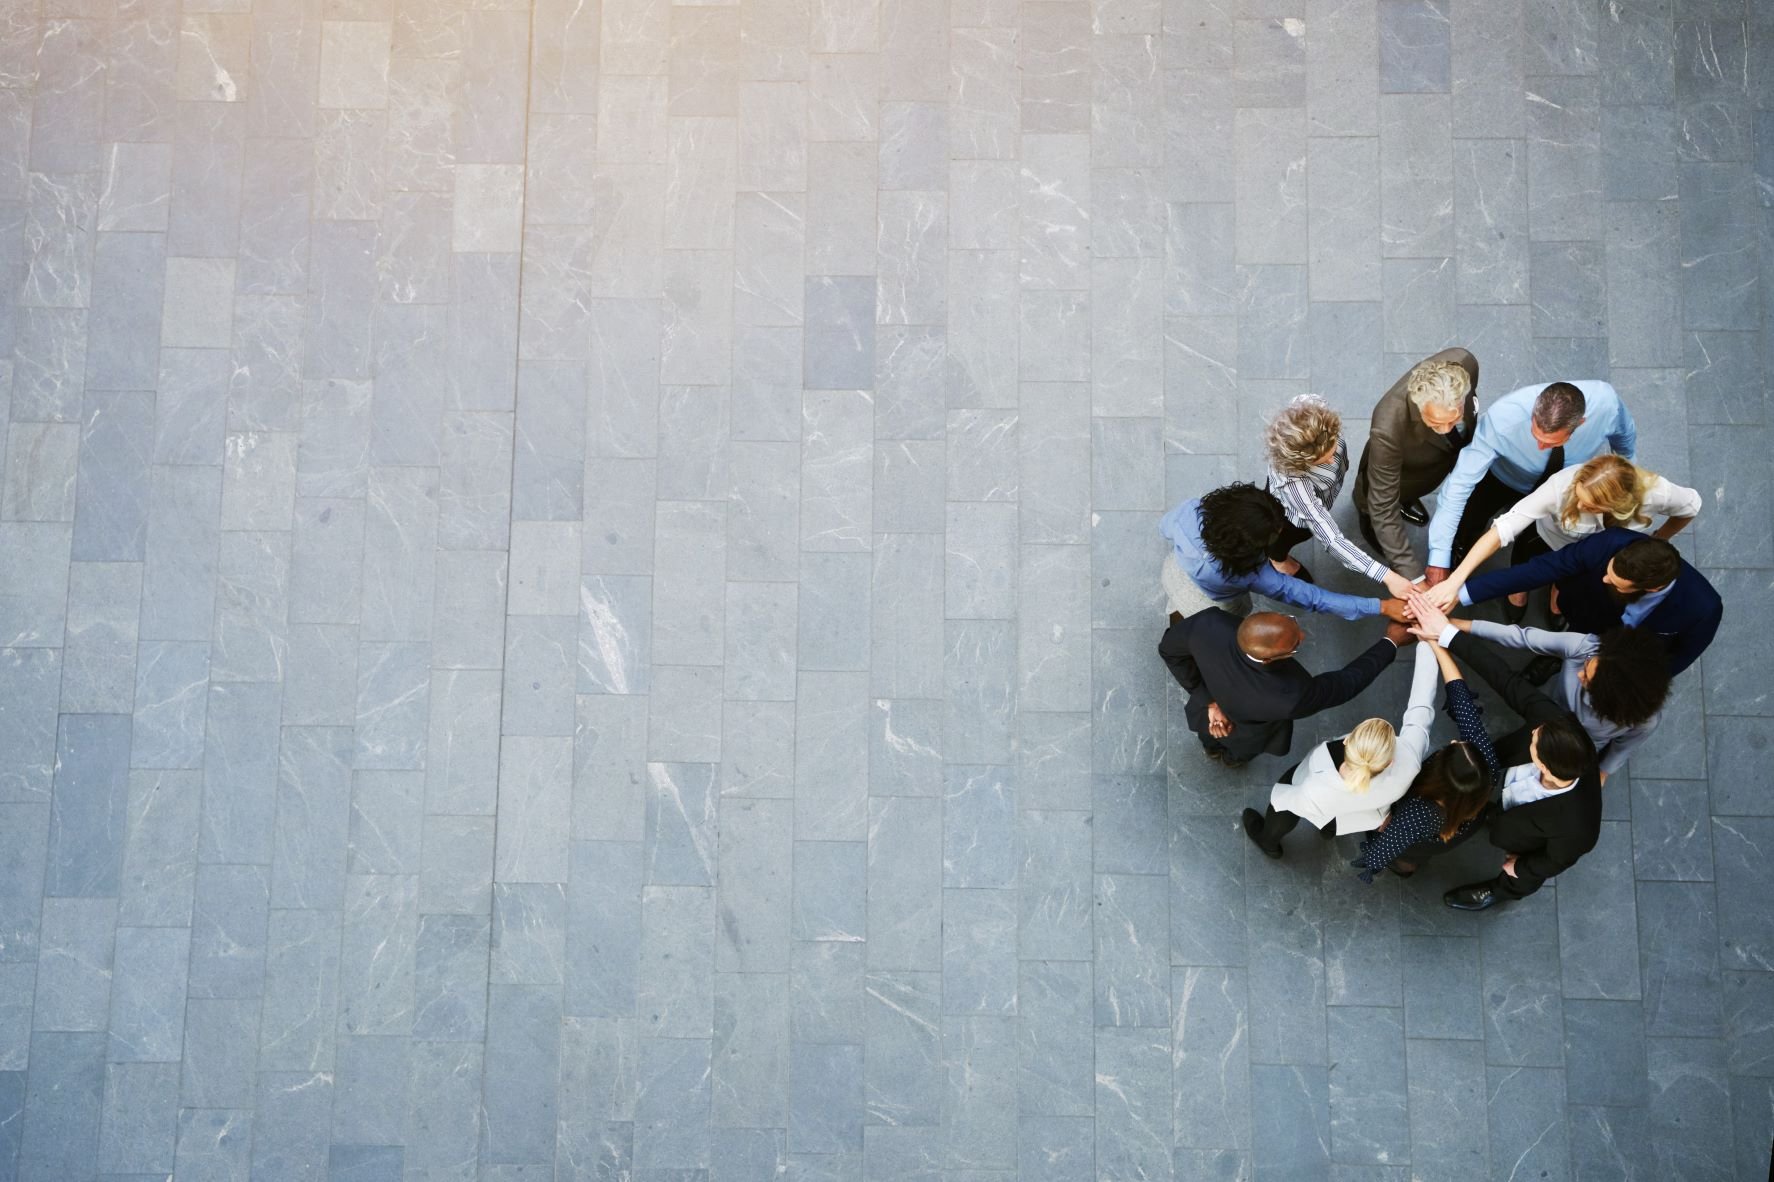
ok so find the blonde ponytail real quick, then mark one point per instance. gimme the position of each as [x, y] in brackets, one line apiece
[1367, 751]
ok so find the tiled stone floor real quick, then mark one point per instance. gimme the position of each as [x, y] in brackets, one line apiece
[578, 586]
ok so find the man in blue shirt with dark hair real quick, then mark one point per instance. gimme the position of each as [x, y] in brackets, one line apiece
[1520, 441]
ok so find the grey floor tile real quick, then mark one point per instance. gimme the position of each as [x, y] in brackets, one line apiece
[1604, 1052]
[89, 809]
[1529, 1124]
[751, 1055]
[1211, 1072]
[63, 1103]
[75, 965]
[522, 1064]
[29, 680]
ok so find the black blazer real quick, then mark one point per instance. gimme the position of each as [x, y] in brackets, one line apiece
[1687, 618]
[1261, 700]
[1547, 836]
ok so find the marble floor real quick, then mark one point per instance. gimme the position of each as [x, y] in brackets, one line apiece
[578, 586]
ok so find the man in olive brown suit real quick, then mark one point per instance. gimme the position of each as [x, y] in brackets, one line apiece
[1417, 431]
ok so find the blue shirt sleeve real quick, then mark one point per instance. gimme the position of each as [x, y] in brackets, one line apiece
[1311, 597]
[1623, 439]
[1450, 502]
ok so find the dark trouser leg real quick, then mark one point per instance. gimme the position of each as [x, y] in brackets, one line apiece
[1517, 886]
[1366, 525]
[1291, 535]
[1489, 498]
[1277, 824]
[1528, 545]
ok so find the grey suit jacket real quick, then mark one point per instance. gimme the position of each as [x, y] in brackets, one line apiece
[1405, 461]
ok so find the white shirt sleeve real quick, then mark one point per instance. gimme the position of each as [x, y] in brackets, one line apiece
[1667, 499]
[1542, 503]
[1297, 495]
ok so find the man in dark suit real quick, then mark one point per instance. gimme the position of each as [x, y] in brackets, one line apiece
[1615, 577]
[1415, 435]
[1550, 811]
[1245, 687]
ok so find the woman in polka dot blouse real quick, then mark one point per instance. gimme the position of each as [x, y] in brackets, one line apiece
[1446, 802]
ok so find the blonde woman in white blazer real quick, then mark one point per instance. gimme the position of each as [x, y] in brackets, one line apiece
[1348, 785]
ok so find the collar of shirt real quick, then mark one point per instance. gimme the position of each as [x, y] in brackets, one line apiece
[1519, 459]
[1635, 612]
[1522, 785]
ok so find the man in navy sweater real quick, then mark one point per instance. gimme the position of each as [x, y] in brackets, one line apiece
[1615, 577]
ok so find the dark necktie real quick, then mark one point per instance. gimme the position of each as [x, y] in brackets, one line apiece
[1555, 461]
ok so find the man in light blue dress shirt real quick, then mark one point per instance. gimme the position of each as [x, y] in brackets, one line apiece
[1524, 438]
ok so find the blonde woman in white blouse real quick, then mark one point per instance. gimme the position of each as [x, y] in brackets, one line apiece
[1349, 785]
[1587, 498]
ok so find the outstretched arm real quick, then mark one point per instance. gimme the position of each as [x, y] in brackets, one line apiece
[1339, 685]
[1468, 718]
[1564, 645]
[1303, 503]
[1446, 593]
[1591, 553]
[1450, 502]
[1419, 714]
[1313, 598]
[1512, 685]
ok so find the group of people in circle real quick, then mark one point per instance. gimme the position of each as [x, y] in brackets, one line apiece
[1549, 471]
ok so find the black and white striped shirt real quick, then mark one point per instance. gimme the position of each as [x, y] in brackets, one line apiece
[1307, 499]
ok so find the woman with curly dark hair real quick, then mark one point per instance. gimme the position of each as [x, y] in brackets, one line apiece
[1220, 553]
[1614, 683]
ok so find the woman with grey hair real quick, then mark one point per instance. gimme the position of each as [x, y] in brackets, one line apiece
[1308, 460]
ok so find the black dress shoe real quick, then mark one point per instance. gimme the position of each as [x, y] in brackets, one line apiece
[1413, 512]
[1514, 613]
[1473, 897]
[1253, 829]
[1541, 670]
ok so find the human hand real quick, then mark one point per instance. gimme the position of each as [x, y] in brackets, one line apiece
[1396, 610]
[1400, 635]
[1218, 725]
[1509, 866]
[1444, 595]
[1434, 574]
[1397, 585]
[1429, 615]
